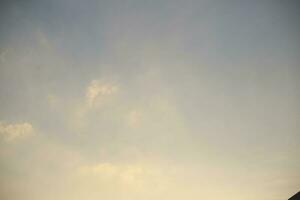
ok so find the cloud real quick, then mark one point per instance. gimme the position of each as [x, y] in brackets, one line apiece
[97, 91]
[99, 94]
[12, 132]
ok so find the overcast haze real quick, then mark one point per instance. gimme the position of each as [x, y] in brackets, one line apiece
[149, 100]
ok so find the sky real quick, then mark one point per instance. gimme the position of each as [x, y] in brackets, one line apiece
[147, 100]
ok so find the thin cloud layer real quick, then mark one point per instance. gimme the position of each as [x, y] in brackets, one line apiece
[148, 100]
[17, 131]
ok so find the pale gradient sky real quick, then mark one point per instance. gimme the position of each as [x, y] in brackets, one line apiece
[148, 100]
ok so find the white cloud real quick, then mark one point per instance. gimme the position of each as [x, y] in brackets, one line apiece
[97, 91]
[98, 94]
[12, 132]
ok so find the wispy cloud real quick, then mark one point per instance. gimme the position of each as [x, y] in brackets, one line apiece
[97, 91]
[12, 132]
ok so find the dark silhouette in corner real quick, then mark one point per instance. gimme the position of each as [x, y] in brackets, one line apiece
[295, 197]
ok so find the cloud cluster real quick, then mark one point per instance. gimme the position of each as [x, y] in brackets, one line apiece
[12, 132]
